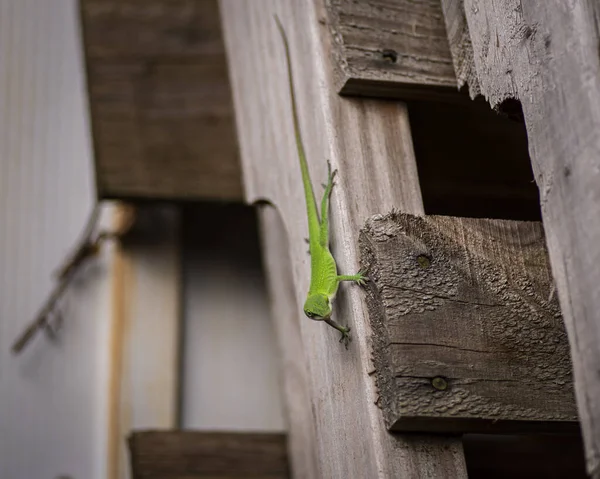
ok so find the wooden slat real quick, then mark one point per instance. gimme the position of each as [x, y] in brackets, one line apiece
[546, 55]
[466, 338]
[390, 49]
[369, 142]
[207, 455]
[160, 101]
[295, 375]
[145, 347]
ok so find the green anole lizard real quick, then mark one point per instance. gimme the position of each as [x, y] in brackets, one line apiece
[324, 279]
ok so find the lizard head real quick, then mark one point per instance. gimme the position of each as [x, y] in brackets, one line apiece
[317, 307]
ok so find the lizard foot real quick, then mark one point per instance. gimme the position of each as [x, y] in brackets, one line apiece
[361, 278]
[330, 176]
[346, 338]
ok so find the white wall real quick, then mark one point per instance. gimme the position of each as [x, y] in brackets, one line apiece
[52, 396]
[231, 372]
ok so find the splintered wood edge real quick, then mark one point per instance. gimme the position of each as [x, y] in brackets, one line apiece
[378, 53]
[385, 375]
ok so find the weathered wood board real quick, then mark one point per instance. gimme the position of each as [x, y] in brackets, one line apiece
[207, 455]
[369, 142]
[295, 376]
[161, 110]
[467, 335]
[545, 54]
[390, 49]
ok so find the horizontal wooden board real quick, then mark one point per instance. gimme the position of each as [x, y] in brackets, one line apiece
[203, 455]
[161, 109]
[390, 49]
[467, 334]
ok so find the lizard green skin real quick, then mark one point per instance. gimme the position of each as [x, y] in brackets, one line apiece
[324, 278]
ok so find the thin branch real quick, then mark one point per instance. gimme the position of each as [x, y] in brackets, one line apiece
[87, 247]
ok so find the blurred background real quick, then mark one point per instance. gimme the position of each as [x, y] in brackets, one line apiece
[168, 326]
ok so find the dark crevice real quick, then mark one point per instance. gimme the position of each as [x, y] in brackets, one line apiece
[473, 161]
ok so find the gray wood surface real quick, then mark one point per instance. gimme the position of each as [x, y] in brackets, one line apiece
[160, 104]
[369, 142]
[390, 49]
[294, 373]
[465, 336]
[207, 455]
[546, 55]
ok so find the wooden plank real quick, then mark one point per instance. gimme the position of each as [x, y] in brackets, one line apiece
[358, 136]
[207, 455]
[460, 45]
[545, 54]
[466, 339]
[390, 49]
[160, 102]
[302, 436]
[145, 348]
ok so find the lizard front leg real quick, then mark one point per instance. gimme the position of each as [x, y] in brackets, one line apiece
[359, 278]
[346, 338]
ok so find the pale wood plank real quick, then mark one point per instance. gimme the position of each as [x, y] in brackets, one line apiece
[546, 55]
[295, 375]
[466, 337]
[147, 295]
[160, 102]
[369, 141]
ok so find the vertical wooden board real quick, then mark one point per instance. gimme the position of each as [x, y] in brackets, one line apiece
[468, 335]
[145, 350]
[369, 142]
[294, 367]
[546, 55]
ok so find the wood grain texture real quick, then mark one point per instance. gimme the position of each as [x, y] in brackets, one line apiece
[207, 455]
[294, 372]
[546, 55]
[465, 337]
[390, 49]
[160, 101]
[369, 142]
[460, 45]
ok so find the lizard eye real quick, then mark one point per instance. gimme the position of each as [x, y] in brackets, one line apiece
[309, 314]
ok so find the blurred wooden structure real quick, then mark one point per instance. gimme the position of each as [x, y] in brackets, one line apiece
[459, 330]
